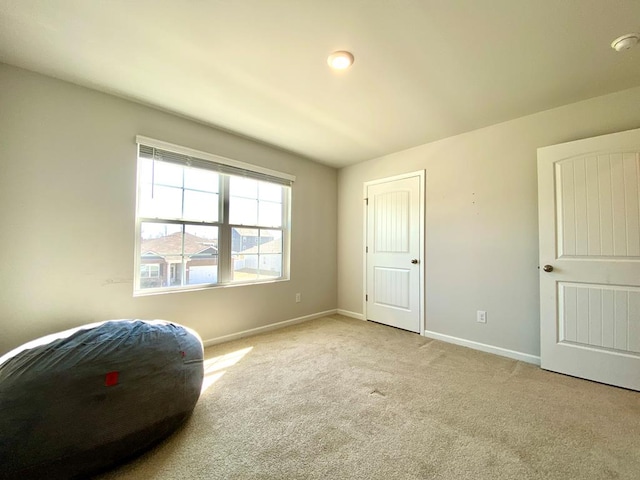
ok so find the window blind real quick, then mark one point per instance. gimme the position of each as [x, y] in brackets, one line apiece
[245, 170]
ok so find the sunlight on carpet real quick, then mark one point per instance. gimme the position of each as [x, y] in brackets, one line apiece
[215, 368]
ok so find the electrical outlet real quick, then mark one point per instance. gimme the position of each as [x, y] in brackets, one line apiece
[298, 298]
[481, 316]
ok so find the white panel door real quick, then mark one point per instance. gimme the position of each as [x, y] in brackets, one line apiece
[393, 252]
[589, 209]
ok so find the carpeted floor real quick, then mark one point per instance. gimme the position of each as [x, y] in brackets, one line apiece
[337, 398]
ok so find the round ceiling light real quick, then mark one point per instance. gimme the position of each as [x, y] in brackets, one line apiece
[340, 60]
[625, 42]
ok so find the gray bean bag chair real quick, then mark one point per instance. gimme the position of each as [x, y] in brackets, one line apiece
[79, 401]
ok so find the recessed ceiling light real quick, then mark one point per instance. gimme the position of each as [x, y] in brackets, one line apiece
[625, 42]
[340, 60]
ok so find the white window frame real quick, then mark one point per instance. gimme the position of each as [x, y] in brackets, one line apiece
[225, 167]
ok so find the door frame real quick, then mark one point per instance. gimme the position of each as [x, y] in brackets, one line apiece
[421, 228]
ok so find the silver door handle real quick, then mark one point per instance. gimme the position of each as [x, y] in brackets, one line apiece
[415, 260]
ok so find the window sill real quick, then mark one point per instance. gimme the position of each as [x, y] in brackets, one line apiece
[197, 288]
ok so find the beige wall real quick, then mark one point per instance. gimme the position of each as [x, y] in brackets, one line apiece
[67, 200]
[67, 194]
[481, 219]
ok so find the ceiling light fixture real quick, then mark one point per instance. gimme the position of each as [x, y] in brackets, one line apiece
[625, 42]
[340, 60]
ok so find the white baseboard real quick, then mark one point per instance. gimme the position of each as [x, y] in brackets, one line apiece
[523, 357]
[347, 313]
[266, 328]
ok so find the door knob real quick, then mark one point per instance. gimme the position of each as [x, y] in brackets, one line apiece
[414, 261]
[548, 268]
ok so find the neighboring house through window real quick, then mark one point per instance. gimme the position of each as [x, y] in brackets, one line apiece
[204, 220]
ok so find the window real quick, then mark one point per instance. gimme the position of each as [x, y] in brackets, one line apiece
[204, 221]
[149, 275]
[150, 271]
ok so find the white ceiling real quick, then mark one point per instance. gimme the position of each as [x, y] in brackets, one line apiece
[424, 69]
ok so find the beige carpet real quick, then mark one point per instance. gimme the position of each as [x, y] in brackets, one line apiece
[337, 398]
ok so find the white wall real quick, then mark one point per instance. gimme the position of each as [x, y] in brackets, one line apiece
[481, 219]
[67, 200]
[67, 193]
